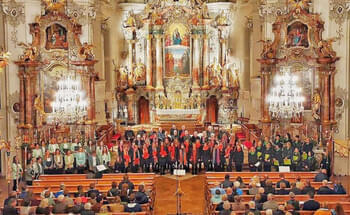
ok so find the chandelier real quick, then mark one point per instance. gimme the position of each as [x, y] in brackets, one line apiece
[285, 98]
[70, 105]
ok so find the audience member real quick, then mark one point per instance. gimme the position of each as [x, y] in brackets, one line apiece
[237, 205]
[87, 210]
[295, 188]
[253, 188]
[282, 190]
[321, 175]
[226, 209]
[307, 188]
[293, 201]
[126, 181]
[269, 187]
[10, 208]
[141, 196]
[339, 189]
[227, 183]
[311, 204]
[279, 210]
[60, 206]
[230, 194]
[339, 210]
[114, 191]
[132, 206]
[26, 208]
[217, 197]
[61, 191]
[324, 189]
[271, 203]
[93, 190]
[220, 206]
[283, 180]
[252, 208]
[43, 207]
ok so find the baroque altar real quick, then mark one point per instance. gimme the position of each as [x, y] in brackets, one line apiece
[176, 65]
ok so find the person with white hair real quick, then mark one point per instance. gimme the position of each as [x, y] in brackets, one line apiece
[236, 186]
[87, 210]
[252, 208]
[60, 206]
[269, 212]
[324, 189]
[270, 203]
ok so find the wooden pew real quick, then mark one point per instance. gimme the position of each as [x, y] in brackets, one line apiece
[105, 176]
[272, 175]
[263, 212]
[89, 181]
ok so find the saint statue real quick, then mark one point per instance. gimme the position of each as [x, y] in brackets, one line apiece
[215, 70]
[316, 105]
[130, 20]
[39, 110]
[139, 71]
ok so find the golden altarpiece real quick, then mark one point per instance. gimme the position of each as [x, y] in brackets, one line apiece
[55, 52]
[176, 67]
[298, 44]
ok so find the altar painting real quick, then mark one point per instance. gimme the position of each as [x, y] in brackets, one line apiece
[177, 50]
[297, 35]
[56, 37]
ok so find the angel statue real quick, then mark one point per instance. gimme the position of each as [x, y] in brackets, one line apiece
[54, 5]
[123, 72]
[86, 53]
[39, 109]
[215, 70]
[139, 71]
[222, 19]
[325, 49]
[304, 4]
[130, 20]
[269, 50]
[30, 52]
[316, 105]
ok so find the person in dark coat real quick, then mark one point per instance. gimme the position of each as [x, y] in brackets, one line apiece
[10, 208]
[307, 188]
[283, 180]
[293, 201]
[324, 189]
[227, 183]
[140, 195]
[238, 158]
[132, 206]
[282, 190]
[277, 157]
[267, 157]
[126, 181]
[321, 175]
[93, 190]
[205, 153]
[311, 204]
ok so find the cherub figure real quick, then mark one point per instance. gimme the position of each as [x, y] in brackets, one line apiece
[268, 49]
[86, 52]
[30, 52]
[325, 49]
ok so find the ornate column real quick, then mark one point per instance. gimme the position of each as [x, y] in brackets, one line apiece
[195, 65]
[332, 97]
[130, 104]
[149, 66]
[27, 76]
[130, 62]
[159, 60]
[324, 95]
[223, 40]
[205, 62]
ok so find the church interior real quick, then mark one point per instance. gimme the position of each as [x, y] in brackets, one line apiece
[174, 107]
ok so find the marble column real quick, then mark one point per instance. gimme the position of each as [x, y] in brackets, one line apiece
[149, 66]
[205, 62]
[265, 86]
[224, 80]
[223, 51]
[22, 98]
[195, 65]
[130, 63]
[159, 62]
[332, 97]
[325, 98]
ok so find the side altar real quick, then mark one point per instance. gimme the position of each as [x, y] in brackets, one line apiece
[176, 67]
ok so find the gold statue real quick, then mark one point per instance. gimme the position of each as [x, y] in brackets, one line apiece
[39, 108]
[4, 57]
[269, 49]
[215, 69]
[304, 4]
[55, 5]
[235, 79]
[139, 71]
[221, 19]
[130, 20]
[316, 105]
[30, 52]
[325, 49]
[86, 52]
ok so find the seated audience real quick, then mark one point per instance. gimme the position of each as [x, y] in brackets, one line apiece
[24, 191]
[43, 207]
[80, 192]
[60, 206]
[238, 190]
[339, 210]
[10, 208]
[271, 203]
[132, 206]
[241, 183]
[324, 189]
[321, 175]
[226, 209]
[295, 188]
[282, 190]
[269, 187]
[252, 208]
[78, 206]
[253, 189]
[61, 191]
[93, 190]
[227, 183]
[217, 197]
[126, 181]
[237, 205]
[141, 196]
[12, 195]
[230, 194]
[263, 195]
[307, 188]
[220, 206]
[124, 194]
[293, 201]
[114, 191]
[311, 204]
[283, 180]
[87, 210]
[114, 205]
[96, 207]
[279, 211]
[26, 208]
[339, 189]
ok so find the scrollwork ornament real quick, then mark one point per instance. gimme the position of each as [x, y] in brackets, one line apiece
[339, 10]
[14, 12]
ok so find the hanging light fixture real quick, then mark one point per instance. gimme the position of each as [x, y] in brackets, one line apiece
[285, 98]
[70, 105]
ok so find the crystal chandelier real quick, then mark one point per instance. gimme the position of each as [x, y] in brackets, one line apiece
[285, 98]
[70, 105]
